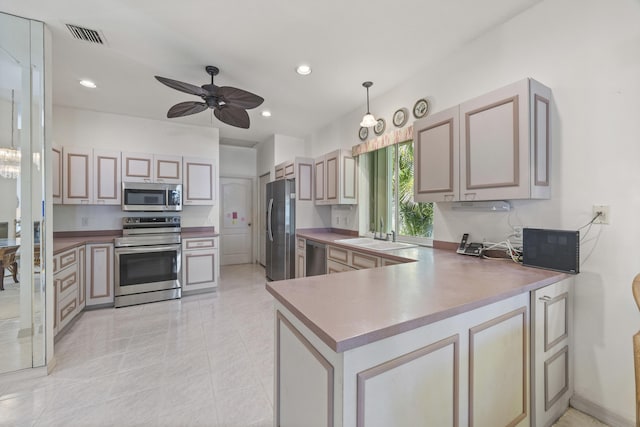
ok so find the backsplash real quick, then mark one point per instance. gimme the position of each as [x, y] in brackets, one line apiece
[81, 218]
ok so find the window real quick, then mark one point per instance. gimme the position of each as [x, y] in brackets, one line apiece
[391, 204]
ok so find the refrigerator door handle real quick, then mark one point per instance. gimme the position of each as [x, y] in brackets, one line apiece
[269, 218]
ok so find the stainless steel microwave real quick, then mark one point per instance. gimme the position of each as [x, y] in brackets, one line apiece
[148, 197]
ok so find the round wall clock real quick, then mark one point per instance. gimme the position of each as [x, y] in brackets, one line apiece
[379, 127]
[400, 117]
[363, 133]
[421, 108]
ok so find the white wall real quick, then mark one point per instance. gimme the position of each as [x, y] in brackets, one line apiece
[237, 161]
[588, 53]
[74, 127]
[288, 147]
[265, 152]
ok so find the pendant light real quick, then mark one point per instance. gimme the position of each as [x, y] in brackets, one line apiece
[368, 120]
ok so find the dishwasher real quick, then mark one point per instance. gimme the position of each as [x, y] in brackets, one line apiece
[316, 258]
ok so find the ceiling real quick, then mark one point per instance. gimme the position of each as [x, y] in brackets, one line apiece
[257, 45]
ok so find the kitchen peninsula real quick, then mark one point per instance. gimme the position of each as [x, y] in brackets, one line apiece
[449, 339]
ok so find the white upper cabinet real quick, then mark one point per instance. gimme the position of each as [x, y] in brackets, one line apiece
[91, 177]
[144, 167]
[168, 169]
[106, 183]
[336, 179]
[304, 179]
[300, 169]
[200, 181]
[436, 158]
[77, 166]
[493, 147]
[56, 174]
[505, 143]
[319, 173]
[137, 167]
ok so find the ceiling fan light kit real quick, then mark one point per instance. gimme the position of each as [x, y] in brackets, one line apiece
[229, 104]
[368, 120]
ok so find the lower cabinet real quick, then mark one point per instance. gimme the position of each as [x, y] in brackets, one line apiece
[100, 272]
[340, 259]
[480, 368]
[336, 267]
[68, 279]
[551, 328]
[200, 269]
[301, 253]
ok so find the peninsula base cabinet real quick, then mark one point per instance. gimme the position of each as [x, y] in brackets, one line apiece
[551, 368]
[469, 369]
[200, 269]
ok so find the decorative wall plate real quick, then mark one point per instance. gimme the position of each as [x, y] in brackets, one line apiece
[363, 133]
[379, 127]
[421, 108]
[400, 117]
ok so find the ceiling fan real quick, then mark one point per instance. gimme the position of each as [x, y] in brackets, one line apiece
[229, 104]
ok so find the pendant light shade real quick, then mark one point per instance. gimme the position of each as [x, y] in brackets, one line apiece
[368, 120]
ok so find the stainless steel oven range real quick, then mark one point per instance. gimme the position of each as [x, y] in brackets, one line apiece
[148, 260]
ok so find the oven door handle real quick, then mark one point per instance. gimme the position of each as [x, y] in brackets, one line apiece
[142, 249]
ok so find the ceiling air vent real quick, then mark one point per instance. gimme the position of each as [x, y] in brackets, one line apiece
[86, 34]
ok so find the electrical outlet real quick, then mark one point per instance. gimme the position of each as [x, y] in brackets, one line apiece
[517, 231]
[604, 214]
[85, 221]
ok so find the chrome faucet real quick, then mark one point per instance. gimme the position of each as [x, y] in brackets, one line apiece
[382, 235]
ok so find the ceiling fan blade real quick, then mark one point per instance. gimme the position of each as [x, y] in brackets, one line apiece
[182, 87]
[238, 97]
[232, 116]
[186, 108]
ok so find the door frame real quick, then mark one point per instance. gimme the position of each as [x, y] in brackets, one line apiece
[254, 216]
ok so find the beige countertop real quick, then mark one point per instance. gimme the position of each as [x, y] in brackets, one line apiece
[61, 244]
[348, 310]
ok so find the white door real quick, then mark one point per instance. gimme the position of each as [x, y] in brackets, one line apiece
[237, 213]
[264, 179]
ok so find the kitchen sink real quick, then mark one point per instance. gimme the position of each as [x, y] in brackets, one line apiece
[376, 245]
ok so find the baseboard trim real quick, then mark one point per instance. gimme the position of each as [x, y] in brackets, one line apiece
[24, 374]
[596, 411]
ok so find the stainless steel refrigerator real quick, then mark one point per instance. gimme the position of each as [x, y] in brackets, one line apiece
[281, 230]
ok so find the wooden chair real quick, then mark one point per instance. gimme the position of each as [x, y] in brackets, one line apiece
[636, 348]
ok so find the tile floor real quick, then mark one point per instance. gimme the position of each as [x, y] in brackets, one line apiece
[17, 352]
[205, 360]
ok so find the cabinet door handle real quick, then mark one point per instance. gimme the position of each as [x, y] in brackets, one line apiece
[448, 197]
[545, 298]
[469, 196]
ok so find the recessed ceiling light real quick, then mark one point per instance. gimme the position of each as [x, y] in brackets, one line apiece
[303, 69]
[266, 113]
[88, 83]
